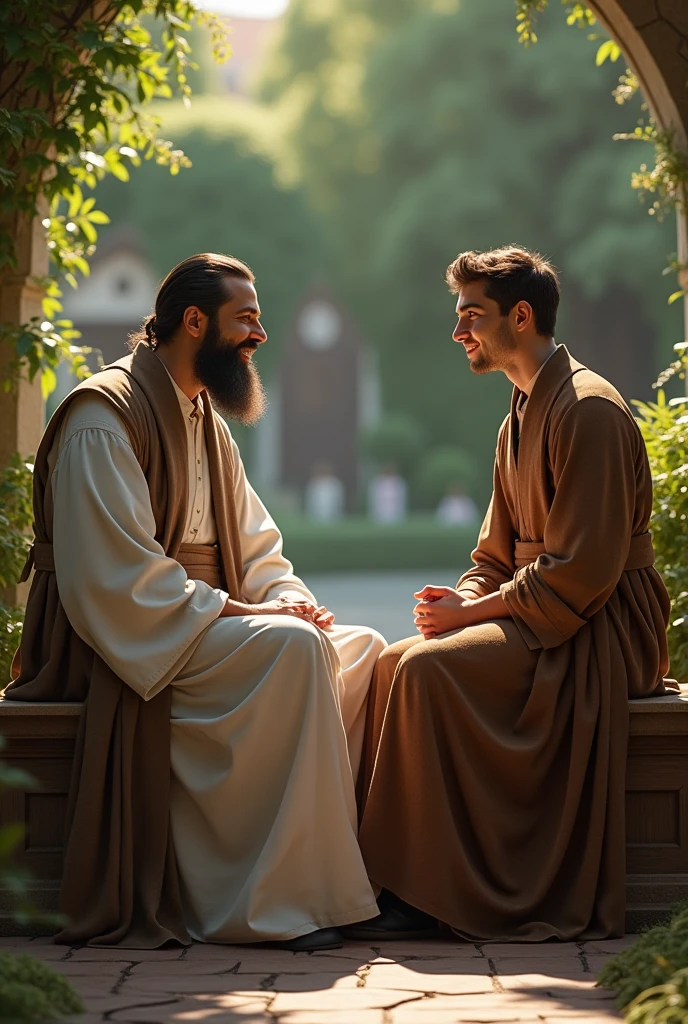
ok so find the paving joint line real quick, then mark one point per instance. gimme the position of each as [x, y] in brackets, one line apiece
[268, 982]
[124, 974]
[494, 975]
[107, 1015]
[583, 957]
[387, 1010]
[362, 975]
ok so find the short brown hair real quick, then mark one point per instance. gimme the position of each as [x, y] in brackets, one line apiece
[512, 275]
[201, 281]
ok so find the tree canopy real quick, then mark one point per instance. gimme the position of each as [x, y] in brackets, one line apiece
[449, 136]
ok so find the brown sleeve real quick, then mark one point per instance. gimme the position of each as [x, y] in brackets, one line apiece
[494, 555]
[588, 530]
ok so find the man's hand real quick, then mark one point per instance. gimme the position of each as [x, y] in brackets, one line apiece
[442, 609]
[300, 609]
[439, 610]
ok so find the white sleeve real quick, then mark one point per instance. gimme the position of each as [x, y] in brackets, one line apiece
[122, 595]
[267, 573]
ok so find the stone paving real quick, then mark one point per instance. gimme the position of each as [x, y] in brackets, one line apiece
[395, 983]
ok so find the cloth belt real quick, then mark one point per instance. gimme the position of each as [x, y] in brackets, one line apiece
[201, 562]
[641, 553]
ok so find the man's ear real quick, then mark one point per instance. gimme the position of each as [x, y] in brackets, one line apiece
[193, 321]
[524, 315]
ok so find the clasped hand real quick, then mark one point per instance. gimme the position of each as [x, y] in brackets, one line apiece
[440, 610]
[300, 608]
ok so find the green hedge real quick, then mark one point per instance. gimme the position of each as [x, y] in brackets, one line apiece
[356, 544]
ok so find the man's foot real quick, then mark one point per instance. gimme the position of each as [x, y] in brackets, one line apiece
[397, 920]
[324, 938]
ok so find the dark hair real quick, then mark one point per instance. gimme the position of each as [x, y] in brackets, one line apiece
[197, 281]
[512, 275]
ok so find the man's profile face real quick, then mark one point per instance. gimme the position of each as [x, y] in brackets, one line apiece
[489, 338]
[223, 362]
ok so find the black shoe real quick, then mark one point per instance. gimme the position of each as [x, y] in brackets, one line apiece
[397, 920]
[324, 938]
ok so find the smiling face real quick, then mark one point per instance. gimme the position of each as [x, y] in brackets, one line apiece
[489, 338]
[223, 361]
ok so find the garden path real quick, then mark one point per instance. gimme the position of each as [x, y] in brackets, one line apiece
[395, 983]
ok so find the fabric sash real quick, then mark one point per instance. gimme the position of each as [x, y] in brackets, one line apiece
[641, 553]
[200, 561]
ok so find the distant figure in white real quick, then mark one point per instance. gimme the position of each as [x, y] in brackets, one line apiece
[387, 496]
[324, 495]
[457, 508]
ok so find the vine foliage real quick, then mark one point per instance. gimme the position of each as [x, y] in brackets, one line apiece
[75, 79]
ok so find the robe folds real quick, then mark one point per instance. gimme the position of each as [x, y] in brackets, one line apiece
[492, 795]
[212, 793]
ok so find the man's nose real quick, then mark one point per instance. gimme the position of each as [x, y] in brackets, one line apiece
[259, 334]
[461, 333]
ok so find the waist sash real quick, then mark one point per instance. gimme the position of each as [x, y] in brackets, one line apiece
[641, 553]
[201, 562]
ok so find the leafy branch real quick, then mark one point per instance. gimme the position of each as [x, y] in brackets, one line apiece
[73, 88]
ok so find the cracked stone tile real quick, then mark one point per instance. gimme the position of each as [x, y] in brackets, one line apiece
[582, 985]
[351, 999]
[277, 962]
[107, 1003]
[610, 946]
[400, 977]
[331, 1017]
[311, 982]
[429, 948]
[497, 1008]
[527, 950]
[559, 968]
[97, 955]
[101, 973]
[210, 984]
[214, 1009]
[181, 969]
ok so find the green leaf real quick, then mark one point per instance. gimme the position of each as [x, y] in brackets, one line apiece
[48, 382]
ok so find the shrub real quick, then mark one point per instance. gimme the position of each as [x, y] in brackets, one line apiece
[664, 425]
[650, 962]
[397, 439]
[16, 516]
[441, 470]
[32, 991]
[664, 1004]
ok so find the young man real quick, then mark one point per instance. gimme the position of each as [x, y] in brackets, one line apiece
[223, 711]
[495, 752]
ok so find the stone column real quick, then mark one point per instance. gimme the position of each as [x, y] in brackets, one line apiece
[21, 410]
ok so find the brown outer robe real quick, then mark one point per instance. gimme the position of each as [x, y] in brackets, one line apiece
[120, 884]
[494, 763]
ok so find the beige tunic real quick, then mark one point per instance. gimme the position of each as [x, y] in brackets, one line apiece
[267, 711]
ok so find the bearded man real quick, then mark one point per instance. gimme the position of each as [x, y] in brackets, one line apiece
[493, 790]
[223, 715]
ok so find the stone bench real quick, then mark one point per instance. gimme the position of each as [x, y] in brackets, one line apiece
[40, 739]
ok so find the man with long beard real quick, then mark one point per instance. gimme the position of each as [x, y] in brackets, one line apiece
[493, 789]
[223, 711]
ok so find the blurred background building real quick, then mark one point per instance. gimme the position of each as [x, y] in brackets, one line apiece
[348, 151]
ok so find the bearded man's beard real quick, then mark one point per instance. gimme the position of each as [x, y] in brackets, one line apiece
[496, 356]
[234, 386]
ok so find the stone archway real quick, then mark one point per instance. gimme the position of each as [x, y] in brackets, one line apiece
[653, 35]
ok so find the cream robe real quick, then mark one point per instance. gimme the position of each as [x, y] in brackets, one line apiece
[268, 711]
